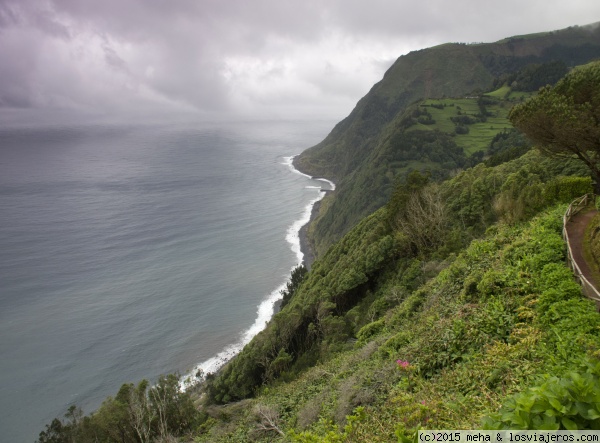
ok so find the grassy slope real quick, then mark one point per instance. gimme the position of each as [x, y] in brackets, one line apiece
[480, 134]
[450, 69]
[473, 335]
[370, 186]
[499, 314]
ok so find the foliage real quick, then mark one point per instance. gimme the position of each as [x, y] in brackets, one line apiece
[59, 431]
[298, 274]
[332, 435]
[346, 287]
[314, 322]
[424, 221]
[505, 146]
[498, 316]
[513, 191]
[568, 403]
[370, 187]
[592, 243]
[137, 414]
[535, 76]
[398, 203]
[564, 119]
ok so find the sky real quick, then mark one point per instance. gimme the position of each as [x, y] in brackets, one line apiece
[240, 58]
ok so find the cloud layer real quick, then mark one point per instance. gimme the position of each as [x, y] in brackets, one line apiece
[269, 58]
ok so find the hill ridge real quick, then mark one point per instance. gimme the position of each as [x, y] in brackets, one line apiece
[448, 70]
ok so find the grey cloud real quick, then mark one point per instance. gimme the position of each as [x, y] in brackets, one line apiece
[119, 54]
[8, 15]
[46, 22]
[458, 20]
[25, 13]
[112, 58]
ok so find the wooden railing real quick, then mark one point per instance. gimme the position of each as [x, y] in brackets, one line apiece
[589, 290]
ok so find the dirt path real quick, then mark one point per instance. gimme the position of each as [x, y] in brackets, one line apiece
[576, 231]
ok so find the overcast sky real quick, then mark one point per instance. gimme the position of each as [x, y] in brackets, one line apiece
[251, 58]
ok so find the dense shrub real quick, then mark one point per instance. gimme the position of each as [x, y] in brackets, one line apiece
[571, 402]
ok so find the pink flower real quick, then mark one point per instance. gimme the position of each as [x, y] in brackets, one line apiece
[402, 363]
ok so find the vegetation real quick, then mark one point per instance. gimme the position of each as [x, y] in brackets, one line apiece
[565, 120]
[137, 414]
[297, 276]
[534, 76]
[448, 354]
[569, 402]
[370, 302]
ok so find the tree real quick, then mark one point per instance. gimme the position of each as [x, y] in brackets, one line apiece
[141, 415]
[56, 432]
[425, 219]
[413, 183]
[59, 431]
[564, 120]
[173, 409]
[298, 274]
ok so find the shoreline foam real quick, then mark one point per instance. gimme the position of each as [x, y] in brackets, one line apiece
[296, 236]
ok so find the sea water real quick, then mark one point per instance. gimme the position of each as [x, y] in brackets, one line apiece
[133, 250]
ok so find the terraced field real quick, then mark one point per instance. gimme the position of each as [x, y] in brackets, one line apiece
[480, 133]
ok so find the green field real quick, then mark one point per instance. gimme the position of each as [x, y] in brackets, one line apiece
[480, 134]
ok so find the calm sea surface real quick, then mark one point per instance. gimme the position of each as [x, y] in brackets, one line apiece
[130, 251]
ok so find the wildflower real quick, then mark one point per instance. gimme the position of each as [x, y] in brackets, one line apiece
[403, 363]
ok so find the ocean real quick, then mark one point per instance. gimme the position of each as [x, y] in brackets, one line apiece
[128, 251]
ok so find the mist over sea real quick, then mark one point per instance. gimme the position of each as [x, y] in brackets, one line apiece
[131, 250]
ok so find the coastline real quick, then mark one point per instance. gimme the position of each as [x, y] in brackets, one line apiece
[297, 237]
[308, 254]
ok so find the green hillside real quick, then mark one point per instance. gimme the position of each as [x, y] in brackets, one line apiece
[476, 324]
[351, 155]
[435, 135]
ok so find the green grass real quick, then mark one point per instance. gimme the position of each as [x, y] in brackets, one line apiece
[500, 92]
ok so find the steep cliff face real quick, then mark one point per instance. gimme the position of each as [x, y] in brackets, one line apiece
[447, 70]
[346, 155]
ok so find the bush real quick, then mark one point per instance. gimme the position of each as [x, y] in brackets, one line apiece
[369, 330]
[571, 403]
[461, 129]
[557, 285]
[565, 189]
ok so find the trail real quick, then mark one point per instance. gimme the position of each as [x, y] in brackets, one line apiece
[576, 232]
